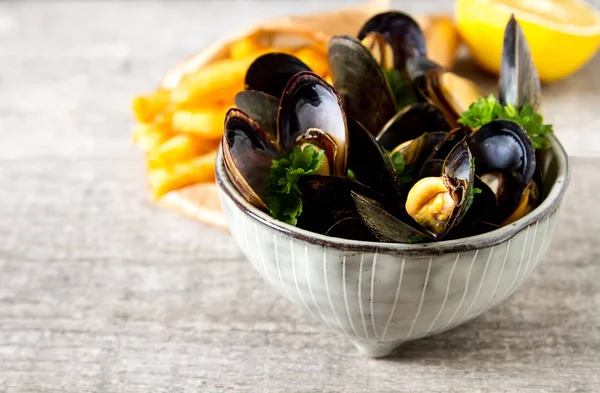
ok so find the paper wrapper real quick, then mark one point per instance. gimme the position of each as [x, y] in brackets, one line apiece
[201, 201]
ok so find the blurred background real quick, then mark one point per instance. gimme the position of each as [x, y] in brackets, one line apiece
[79, 63]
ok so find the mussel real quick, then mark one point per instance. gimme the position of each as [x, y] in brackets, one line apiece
[270, 73]
[310, 111]
[410, 123]
[381, 50]
[450, 93]
[401, 32]
[361, 82]
[247, 153]
[385, 226]
[262, 108]
[327, 200]
[438, 204]
[503, 146]
[519, 81]
[370, 163]
[505, 161]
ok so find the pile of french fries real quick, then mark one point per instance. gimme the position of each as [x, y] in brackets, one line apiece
[180, 129]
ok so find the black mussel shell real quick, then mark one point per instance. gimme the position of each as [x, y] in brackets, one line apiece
[443, 149]
[327, 200]
[503, 146]
[370, 163]
[270, 73]
[262, 108]
[352, 228]
[401, 31]
[309, 103]
[528, 200]
[459, 170]
[361, 82]
[410, 123]
[416, 68]
[431, 168]
[506, 190]
[247, 154]
[519, 81]
[416, 151]
[485, 205]
[383, 225]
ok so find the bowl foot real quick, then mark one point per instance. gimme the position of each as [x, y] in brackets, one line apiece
[375, 349]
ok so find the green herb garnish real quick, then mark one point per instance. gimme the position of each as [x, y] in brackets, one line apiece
[416, 238]
[474, 190]
[351, 174]
[401, 87]
[484, 110]
[403, 170]
[283, 196]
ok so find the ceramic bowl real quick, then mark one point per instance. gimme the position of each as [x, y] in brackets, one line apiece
[380, 295]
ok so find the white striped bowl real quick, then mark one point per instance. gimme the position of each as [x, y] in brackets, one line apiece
[381, 295]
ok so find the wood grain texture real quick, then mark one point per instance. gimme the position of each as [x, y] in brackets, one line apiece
[102, 292]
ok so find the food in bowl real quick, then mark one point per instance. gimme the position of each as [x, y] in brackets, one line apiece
[398, 150]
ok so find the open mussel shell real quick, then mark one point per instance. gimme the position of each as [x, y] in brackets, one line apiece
[505, 189]
[270, 73]
[431, 168]
[443, 148]
[327, 200]
[416, 151]
[380, 48]
[352, 228]
[361, 82]
[451, 93]
[401, 31]
[370, 163]
[320, 140]
[503, 146]
[438, 204]
[385, 226]
[410, 123]
[519, 81]
[310, 104]
[262, 108]
[528, 200]
[247, 154]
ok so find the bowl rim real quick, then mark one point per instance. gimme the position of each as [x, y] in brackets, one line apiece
[471, 243]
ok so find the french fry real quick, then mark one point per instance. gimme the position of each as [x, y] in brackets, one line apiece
[216, 83]
[178, 149]
[146, 108]
[149, 137]
[245, 47]
[315, 59]
[197, 170]
[206, 123]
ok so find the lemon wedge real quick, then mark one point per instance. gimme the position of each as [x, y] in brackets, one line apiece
[562, 34]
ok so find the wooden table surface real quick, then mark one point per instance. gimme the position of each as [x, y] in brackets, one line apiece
[100, 291]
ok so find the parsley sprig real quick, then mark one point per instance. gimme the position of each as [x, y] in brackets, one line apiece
[473, 190]
[283, 196]
[484, 110]
[403, 170]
